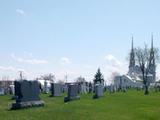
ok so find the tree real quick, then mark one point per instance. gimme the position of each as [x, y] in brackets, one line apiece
[143, 59]
[80, 80]
[49, 77]
[98, 77]
[61, 81]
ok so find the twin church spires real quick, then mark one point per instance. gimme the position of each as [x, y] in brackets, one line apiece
[152, 66]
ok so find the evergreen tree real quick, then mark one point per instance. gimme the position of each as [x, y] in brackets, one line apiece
[98, 78]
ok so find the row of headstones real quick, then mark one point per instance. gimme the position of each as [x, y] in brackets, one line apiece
[114, 88]
[83, 88]
[6, 90]
[27, 93]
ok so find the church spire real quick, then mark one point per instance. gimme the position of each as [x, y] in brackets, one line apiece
[152, 66]
[132, 43]
[152, 42]
[132, 56]
[152, 50]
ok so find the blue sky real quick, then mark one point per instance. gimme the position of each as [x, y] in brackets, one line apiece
[73, 37]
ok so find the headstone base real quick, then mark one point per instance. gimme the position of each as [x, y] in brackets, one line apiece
[55, 96]
[67, 99]
[21, 105]
[96, 96]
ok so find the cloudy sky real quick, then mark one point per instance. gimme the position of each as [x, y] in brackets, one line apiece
[73, 37]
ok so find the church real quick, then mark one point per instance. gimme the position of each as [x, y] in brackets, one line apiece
[134, 76]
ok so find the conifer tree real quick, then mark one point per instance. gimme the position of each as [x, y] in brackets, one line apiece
[98, 78]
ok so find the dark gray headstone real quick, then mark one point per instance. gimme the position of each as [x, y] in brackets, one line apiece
[72, 93]
[27, 94]
[56, 89]
[91, 88]
[65, 88]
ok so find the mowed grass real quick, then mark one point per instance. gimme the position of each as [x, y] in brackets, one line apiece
[132, 105]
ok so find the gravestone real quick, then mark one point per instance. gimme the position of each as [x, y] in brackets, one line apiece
[87, 87]
[111, 89]
[91, 88]
[46, 87]
[65, 88]
[26, 94]
[72, 93]
[2, 90]
[83, 89]
[12, 90]
[56, 89]
[98, 91]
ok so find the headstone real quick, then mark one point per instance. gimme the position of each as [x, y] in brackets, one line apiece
[12, 90]
[65, 88]
[83, 89]
[72, 93]
[111, 89]
[56, 89]
[46, 87]
[87, 87]
[98, 91]
[91, 88]
[2, 91]
[27, 94]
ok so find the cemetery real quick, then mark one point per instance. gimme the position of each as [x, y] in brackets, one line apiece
[132, 105]
[79, 60]
[129, 97]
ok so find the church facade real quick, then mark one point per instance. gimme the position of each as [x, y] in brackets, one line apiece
[134, 76]
[135, 70]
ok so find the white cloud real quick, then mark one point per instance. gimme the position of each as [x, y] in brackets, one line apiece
[61, 74]
[12, 72]
[65, 60]
[113, 60]
[20, 12]
[9, 68]
[112, 66]
[88, 67]
[28, 61]
[28, 54]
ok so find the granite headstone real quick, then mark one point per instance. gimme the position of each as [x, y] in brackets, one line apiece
[72, 93]
[56, 89]
[99, 91]
[27, 94]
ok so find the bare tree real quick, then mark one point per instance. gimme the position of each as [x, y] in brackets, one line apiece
[60, 81]
[143, 59]
[80, 80]
[49, 77]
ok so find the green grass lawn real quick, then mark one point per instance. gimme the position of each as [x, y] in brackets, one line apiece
[132, 105]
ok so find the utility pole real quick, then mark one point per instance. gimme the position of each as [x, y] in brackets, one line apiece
[66, 77]
[21, 75]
